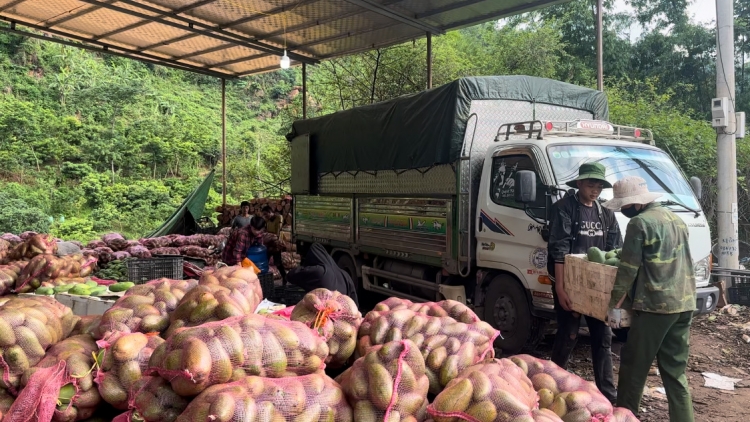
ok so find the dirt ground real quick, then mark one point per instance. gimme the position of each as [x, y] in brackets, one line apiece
[716, 345]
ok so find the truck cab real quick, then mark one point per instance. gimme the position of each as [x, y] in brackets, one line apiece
[512, 214]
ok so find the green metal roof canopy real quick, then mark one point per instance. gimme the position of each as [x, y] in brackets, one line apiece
[233, 38]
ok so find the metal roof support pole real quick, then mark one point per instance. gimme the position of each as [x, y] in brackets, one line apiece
[429, 60]
[304, 90]
[599, 46]
[224, 143]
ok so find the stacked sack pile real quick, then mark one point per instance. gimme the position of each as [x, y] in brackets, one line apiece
[195, 350]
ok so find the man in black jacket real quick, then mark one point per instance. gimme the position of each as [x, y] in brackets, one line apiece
[578, 223]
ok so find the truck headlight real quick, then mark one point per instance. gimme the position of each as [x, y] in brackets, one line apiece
[702, 269]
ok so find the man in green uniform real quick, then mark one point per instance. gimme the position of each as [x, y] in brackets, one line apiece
[655, 280]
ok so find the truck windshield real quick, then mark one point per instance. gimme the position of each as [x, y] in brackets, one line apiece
[659, 171]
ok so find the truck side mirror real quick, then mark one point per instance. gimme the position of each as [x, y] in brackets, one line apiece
[525, 186]
[697, 186]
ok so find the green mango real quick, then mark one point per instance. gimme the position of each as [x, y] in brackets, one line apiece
[595, 255]
[64, 288]
[80, 289]
[45, 291]
[99, 291]
[612, 261]
[610, 254]
[121, 287]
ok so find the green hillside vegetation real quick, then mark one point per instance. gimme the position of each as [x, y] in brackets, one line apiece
[111, 144]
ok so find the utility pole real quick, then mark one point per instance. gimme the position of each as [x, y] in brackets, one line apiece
[599, 45]
[726, 143]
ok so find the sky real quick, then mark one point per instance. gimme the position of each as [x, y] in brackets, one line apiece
[703, 11]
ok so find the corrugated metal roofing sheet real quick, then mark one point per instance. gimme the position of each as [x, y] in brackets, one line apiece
[233, 38]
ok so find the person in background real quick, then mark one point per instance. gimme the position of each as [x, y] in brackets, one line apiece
[318, 270]
[273, 220]
[241, 239]
[244, 218]
[578, 223]
[655, 280]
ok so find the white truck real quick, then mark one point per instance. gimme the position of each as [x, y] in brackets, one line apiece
[447, 193]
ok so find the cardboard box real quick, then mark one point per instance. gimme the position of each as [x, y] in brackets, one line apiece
[589, 286]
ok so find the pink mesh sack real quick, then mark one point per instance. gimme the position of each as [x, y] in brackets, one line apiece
[9, 274]
[145, 308]
[448, 346]
[313, 397]
[451, 308]
[33, 245]
[221, 294]
[60, 387]
[494, 390]
[388, 384]
[5, 247]
[28, 327]
[123, 359]
[218, 352]
[153, 400]
[335, 317]
[623, 415]
[43, 268]
[566, 394]
[88, 324]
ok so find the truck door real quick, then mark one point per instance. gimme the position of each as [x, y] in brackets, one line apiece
[506, 236]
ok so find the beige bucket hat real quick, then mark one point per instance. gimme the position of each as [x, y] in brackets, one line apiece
[630, 190]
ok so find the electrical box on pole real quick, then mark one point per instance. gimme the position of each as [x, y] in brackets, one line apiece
[720, 112]
[739, 132]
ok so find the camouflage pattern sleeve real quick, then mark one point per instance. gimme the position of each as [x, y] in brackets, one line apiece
[631, 258]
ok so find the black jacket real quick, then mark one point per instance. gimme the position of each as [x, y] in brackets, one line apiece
[563, 235]
[318, 270]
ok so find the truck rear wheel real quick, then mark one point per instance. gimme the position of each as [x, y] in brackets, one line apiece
[507, 309]
[367, 300]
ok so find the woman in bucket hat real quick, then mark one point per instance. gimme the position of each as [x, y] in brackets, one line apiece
[655, 280]
[579, 222]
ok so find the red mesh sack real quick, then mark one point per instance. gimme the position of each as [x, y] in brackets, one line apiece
[61, 386]
[152, 399]
[218, 352]
[115, 241]
[623, 415]
[313, 397]
[448, 346]
[568, 395]
[494, 390]
[28, 327]
[335, 317]
[388, 384]
[123, 359]
[9, 275]
[221, 294]
[5, 247]
[33, 245]
[11, 238]
[139, 251]
[165, 251]
[156, 242]
[43, 268]
[451, 308]
[145, 308]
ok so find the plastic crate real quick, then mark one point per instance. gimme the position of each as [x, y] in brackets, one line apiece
[267, 285]
[292, 295]
[141, 270]
[739, 295]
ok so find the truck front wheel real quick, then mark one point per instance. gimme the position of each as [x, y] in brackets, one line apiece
[507, 309]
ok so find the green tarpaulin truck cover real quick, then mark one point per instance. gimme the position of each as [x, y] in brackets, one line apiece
[427, 128]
